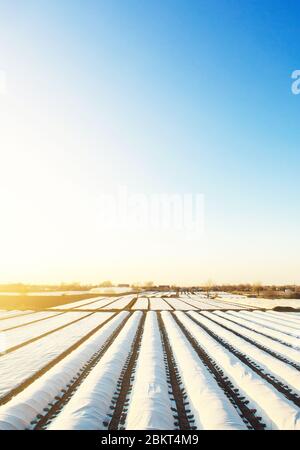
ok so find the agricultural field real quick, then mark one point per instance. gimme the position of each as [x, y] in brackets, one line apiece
[152, 362]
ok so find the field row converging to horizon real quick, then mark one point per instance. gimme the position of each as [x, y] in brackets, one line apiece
[152, 361]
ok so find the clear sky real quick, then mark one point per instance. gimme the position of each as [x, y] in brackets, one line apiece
[161, 96]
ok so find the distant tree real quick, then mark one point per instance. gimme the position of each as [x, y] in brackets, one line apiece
[257, 288]
[208, 287]
[106, 284]
[149, 284]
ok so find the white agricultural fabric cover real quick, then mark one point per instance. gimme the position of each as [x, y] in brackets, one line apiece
[4, 315]
[277, 347]
[283, 372]
[277, 412]
[158, 303]
[23, 320]
[141, 303]
[286, 323]
[98, 305]
[14, 337]
[22, 409]
[211, 408]
[291, 330]
[285, 317]
[178, 304]
[33, 357]
[294, 315]
[150, 404]
[261, 302]
[208, 303]
[89, 406]
[239, 320]
[200, 304]
[78, 303]
[121, 302]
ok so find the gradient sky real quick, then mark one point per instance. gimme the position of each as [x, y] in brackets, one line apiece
[167, 96]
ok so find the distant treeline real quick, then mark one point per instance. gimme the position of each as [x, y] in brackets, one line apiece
[258, 290]
[254, 290]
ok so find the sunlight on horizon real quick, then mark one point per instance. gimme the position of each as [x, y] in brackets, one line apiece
[121, 109]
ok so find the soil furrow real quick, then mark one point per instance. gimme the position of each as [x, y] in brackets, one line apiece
[40, 336]
[86, 369]
[258, 332]
[52, 363]
[253, 342]
[281, 387]
[177, 391]
[125, 382]
[231, 392]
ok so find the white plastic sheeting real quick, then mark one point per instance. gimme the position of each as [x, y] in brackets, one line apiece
[277, 412]
[21, 364]
[277, 347]
[22, 409]
[150, 404]
[211, 408]
[89, 406]
[283, 372]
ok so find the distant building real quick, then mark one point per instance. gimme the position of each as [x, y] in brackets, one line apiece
[164, 287]
[123, 285]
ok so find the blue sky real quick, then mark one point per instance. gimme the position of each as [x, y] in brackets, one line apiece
[160, 96]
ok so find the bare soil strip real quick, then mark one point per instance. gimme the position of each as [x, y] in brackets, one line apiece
[177, 388]
[125, 380]
[281, 387]
[131, 303]
[231, 392]
[36, 302]
[86, 369]
[52, 363]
